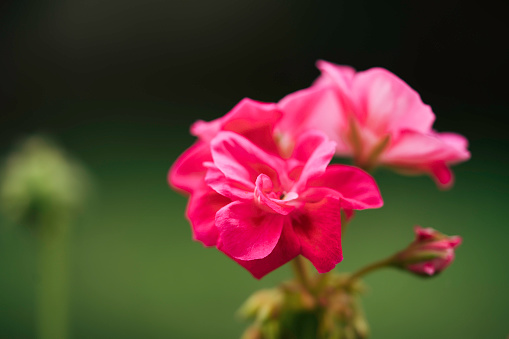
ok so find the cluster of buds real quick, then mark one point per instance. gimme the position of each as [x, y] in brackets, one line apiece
[273, 312]
[343, 316]
[328, 308]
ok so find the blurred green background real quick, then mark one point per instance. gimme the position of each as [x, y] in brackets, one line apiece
[117, 84]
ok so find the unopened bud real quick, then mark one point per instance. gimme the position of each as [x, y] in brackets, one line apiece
[429, 254]
[252, 332]
[262, 305]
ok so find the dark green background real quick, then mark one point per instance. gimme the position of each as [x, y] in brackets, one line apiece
[118, 83]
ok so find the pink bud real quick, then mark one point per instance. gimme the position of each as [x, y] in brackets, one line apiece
[430, 253]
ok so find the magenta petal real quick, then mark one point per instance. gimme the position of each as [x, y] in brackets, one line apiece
[248, 232]
[247, 115]
[265, 196]
[442, 174]
[316, 107]
[242, 161]
[428, 268]
[358, 189]
[201, 212]
[422, 233]
[287, 248]
[316, 151]
[348, 214]
[318, 227]
[227, 187]
[188, 172]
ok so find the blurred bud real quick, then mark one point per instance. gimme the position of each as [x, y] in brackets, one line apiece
[343, 316]
[429, 254]
[297, 298]
[263, 305]
[252, 332]
[39, 180]
[359, 322]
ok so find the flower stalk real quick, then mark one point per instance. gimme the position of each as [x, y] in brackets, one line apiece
[53, 279]
[370, 268]
[301, 272]
[43, 189]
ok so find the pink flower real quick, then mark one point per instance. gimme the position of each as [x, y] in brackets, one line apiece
[266, 209]
[384, 122]
[430, 253]
[260, 123]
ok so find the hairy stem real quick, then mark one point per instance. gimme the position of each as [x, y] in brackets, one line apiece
[301, 272]
[370, 268]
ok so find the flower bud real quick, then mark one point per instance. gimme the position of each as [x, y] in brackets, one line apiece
[252, 332]
[262, 305]
[39, 181]
[429, 254]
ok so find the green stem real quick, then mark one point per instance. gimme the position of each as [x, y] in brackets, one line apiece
[52, 291]
[344, 223]
[301, 272]
[369, 268]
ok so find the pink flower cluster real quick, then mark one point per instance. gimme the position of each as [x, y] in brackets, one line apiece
[261, 187]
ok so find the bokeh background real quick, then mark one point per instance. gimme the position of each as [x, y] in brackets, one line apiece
[118, 82]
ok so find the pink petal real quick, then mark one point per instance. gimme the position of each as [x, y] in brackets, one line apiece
[188, 172]
[413, 148]
[318, 227]
[454, 140]
[442, 174]
[348, 215]
[427, 153]
[266, 197]
[338, 75]
[201, 212]
[242, 161]
[311, 108]
[455, 241]
[441, 264]
[387, 104]
[457, 145]
[225, 186]
[248, 232]
[428, 268]
[425, 233]
[287, 248]
[308, 143]
[246, 116]
[357, 189]
[439, 245]
[316, 151]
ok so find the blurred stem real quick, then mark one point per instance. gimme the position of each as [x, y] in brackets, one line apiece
[301, 272]
[52, 291]
[322, 280]
[370, 268]
[344, 223]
